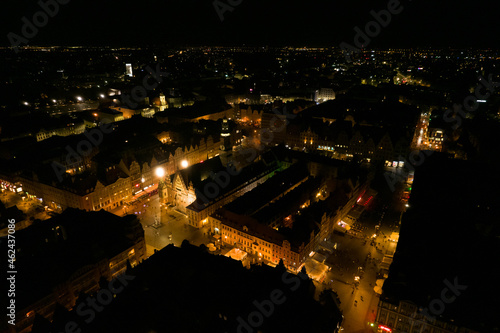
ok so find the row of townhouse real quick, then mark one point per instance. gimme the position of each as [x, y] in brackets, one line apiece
[406, 317]
[267, 244]
[118, 183]
[204, 150]
[90, 195]
[342, 146]
[249, 114]
[69, 129]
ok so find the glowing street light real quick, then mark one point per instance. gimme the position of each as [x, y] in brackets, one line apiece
[79, 99]
[160, 172]
[102, 95]
[184, 164]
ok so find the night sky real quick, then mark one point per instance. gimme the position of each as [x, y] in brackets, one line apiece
[422, 23]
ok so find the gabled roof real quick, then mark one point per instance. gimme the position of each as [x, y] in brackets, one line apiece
[197, 173]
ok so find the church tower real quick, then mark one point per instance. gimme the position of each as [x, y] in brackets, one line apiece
[226, 148]
[225, 136]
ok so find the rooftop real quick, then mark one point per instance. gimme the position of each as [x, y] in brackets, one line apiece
[449, 232]
[49, 252]
[166, 294]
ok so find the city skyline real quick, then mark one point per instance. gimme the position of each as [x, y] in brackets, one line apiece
[249, 167]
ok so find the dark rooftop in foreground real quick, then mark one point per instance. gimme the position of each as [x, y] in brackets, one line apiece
[189, 290]
[50, 251]
[451, 231]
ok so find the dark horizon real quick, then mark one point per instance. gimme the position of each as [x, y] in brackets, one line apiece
[315, 24]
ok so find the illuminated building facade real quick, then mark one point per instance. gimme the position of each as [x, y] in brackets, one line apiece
[259, 240]
[323, 95]
[72, 129]
[406, 317]
[203, 188]
[128, 70]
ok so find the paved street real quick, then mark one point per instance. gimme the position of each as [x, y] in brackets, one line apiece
[354, 262]
[361, 256]
[164, 225]
[32, 208]
[354, 257]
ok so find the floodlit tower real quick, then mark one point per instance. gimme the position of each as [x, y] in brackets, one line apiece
[225, 136]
